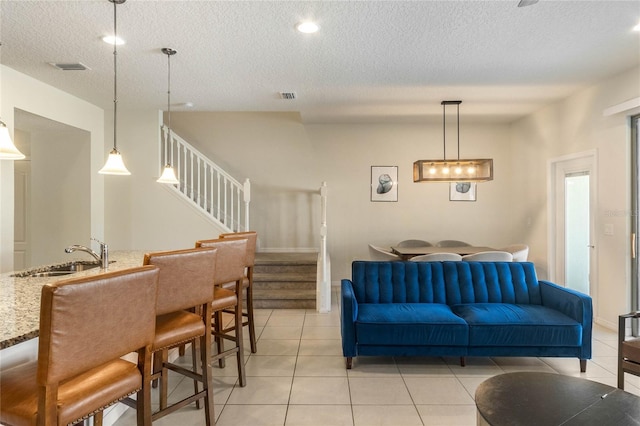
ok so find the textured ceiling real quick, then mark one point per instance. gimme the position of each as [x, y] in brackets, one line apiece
[372, 61]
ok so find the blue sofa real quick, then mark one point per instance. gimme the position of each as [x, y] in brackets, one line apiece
[461, 309]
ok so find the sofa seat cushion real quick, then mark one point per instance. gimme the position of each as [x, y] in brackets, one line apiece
[410, 324]
[503, 324]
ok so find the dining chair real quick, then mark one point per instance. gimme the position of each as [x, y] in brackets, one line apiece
[184, 312]
[436, 257]
[247, 283]
[451, 243]
[378, 253]
[414, 243]
[489, 256]
[230, 268]
[520, 252]
[86, 325]
[628, 350]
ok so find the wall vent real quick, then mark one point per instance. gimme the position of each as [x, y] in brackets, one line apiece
[287, 95]
[70, 66]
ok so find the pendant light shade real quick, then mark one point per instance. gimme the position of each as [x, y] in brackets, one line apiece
[168, 174]
[8, 150]
[454, 170]
[114, 164]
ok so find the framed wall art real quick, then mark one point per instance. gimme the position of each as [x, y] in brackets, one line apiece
[462, 191]
[384, 183]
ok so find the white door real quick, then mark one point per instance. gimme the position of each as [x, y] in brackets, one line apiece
[572, 252]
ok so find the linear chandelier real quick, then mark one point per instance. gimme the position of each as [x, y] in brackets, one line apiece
[475, 170]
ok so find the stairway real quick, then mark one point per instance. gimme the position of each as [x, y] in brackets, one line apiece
[285, 280]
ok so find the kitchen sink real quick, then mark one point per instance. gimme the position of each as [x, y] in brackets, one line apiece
[58, 270]
[75, 267]
[48, 274]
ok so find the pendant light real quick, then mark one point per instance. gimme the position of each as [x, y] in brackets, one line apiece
[168, 174]
[476, 170]
[8, 150]
[114, 164]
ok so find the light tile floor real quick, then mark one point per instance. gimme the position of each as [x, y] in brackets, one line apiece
[298, 377]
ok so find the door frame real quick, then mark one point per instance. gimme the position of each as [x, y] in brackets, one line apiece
[556, 165]
[634, 291]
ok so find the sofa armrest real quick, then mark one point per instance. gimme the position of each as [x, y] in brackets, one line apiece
[575, 305]
[348, 317]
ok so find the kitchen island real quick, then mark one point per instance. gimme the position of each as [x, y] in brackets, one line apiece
[20, 297]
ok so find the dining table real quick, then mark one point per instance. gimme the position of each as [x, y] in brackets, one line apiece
[407, 253]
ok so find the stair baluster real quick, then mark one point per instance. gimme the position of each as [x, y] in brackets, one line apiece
[207, 187]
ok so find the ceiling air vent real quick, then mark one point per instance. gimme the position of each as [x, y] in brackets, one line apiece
[70, 67]
[287, 95]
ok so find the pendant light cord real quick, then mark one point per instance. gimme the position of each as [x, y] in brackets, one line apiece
[115, 76]
[444, 125]
[169, 92]
[444, 130]
[458, 120]
[169, 52]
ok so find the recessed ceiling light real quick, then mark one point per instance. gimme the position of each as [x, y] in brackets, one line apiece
[307, 27]
[637, 27]
[111, 39]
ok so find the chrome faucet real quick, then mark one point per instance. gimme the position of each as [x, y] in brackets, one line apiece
[103, 257]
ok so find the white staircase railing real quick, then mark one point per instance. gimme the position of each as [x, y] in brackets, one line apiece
[205, 185]
[323, 284]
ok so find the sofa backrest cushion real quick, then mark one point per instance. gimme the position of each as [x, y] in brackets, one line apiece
[445, 282]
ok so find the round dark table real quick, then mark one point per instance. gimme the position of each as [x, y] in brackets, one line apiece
[547, 399]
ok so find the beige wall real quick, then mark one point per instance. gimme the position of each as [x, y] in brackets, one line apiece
[140, 213]
[575, 125]
[25, 93]
[60, 194]
[287, 161]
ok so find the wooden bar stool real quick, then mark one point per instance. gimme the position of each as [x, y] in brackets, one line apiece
[628, 350]
[185, 293]
[228, 269]
[86, 325]
[247, 283]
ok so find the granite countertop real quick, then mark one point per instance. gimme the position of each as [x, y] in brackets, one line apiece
[20, 297]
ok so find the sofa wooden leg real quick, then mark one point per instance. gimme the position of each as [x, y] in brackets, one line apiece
[583, 365]
[462, 361]
[349, 362]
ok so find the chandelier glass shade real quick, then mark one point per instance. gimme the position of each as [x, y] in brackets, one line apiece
[452, 170]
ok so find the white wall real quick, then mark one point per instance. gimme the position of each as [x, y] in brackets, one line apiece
[573, 125]
[25, 93]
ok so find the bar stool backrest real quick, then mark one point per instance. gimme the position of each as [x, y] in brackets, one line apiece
[232, 254]
[86, 322]
[252, 240]
[186, 278]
